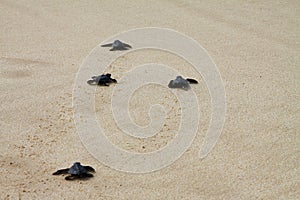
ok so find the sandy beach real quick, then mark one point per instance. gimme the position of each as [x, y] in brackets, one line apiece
[256, 47]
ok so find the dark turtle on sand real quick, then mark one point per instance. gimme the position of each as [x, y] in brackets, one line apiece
[117, 45]
[182, 83]
[104, 80]
[77, 171]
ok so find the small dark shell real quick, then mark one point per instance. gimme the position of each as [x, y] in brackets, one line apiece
[77, 169]
[179, 82]
[117, 45]
[104, 79]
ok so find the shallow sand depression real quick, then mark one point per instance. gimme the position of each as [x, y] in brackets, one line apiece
[255, 46]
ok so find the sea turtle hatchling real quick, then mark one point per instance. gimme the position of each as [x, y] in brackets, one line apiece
[77, 171]
[117, 45]
[103, 80]
[182, 83]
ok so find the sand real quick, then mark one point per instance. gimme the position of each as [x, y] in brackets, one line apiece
[256, 47]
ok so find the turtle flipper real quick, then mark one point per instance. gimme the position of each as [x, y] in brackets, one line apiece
[71, 177]
[113, 80]
[89, 168]
[127, 45]
[79, 176]
[61, 171]
[91, 82]
[107, 45]
[192, 81]
[86, 175]
[118, 49]
[122, 48]
[100, 83]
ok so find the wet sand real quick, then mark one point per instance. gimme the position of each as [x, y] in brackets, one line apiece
[256, 47]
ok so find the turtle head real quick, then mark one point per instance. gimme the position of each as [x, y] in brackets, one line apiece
[117, 43]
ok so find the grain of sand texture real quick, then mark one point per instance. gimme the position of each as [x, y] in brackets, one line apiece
[256, 47]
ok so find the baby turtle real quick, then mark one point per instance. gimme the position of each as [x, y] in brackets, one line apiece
[77, 171]
[182, 83]
[117, 45]
[103, 80]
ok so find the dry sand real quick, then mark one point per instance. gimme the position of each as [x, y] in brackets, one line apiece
[256, 46]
